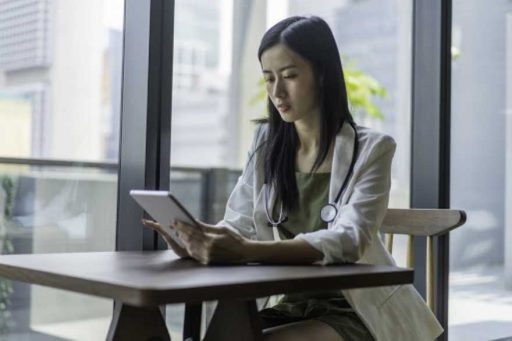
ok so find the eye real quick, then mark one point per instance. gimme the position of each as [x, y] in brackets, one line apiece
[292, 76]
[269, 80]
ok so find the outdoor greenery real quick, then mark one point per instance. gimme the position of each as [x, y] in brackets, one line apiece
[7, 186]
[362, 90]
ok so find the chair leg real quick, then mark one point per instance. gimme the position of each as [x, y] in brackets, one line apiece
[389, 242]
[430, 272]
[410, 252]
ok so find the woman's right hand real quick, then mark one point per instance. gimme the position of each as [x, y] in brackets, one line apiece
[181, 252]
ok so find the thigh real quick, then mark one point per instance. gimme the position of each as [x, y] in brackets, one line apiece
[302, 331]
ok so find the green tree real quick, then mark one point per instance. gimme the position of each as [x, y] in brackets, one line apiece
[362, 89]
[7, 186]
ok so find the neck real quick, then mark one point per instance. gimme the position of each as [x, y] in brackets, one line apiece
[308, 131]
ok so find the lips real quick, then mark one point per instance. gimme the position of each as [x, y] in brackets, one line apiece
[283, 107]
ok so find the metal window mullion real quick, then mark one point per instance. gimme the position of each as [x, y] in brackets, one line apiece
[166, 82]
[145, 119]
[442, 243]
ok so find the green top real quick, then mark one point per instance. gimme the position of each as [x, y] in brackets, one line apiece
[313, 191]
[329, 306]
[313, 195]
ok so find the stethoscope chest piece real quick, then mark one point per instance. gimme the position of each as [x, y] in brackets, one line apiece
[328, 213]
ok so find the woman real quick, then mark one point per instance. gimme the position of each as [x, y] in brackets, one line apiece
[314, 190]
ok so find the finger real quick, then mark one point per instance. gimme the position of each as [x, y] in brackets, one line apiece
[158, 228]
[186, 236]
[202, 223]
[213, 229]
[209, 227]
[180, 251]
[167, 237]
[218, 229]
[153, 226]
[198, 257]
[150, 223]
[188, 230]
[172, 243]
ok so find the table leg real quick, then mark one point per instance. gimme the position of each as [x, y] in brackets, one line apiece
[137, 323]
[192, 321]
[235, 321]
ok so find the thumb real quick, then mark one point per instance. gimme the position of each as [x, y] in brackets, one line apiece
[210, 228]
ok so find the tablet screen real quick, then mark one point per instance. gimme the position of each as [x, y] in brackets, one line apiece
[164, 208]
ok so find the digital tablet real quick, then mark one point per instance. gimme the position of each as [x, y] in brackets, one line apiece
[163, 207]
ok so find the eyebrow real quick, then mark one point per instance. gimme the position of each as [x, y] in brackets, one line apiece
[291, 66]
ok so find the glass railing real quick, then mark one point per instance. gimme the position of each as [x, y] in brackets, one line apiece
[66, 206]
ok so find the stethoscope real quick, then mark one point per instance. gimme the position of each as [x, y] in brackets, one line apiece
[329, 211]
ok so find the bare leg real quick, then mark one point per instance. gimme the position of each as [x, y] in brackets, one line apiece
[302, 331]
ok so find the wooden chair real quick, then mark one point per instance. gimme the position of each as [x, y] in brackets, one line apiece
[421, 222]
[411, 222]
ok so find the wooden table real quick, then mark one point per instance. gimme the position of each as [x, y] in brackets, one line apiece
[140, 282]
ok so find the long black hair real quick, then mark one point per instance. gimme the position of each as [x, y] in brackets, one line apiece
[312, 39]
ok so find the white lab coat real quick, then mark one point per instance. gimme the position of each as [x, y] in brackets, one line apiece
[392, 312]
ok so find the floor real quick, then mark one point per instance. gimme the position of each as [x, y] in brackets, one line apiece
[480, 306]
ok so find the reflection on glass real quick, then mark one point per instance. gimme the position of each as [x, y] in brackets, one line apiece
[480, 283]
[60, 82]
[60, 79]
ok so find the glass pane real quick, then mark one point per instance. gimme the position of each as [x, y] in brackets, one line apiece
[215, 60]
[216, 87]
[480, 294]
[60, 91]
[380, 47]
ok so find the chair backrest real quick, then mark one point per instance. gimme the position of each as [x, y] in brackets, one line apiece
[421, 222]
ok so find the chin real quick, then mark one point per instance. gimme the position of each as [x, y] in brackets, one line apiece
[288, 117]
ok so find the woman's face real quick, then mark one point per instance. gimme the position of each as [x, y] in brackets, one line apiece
[291, 84]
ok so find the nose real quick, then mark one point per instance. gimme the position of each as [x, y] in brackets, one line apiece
[279, 90]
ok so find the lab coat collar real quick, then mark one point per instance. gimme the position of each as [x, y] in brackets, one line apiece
[341, 159]
[272, 201]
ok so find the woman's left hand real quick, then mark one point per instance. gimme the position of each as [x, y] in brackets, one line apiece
[212, 244]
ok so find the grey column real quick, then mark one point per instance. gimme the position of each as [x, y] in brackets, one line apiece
[144, 150]
[430, 145]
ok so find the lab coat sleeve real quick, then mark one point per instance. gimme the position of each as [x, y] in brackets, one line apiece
[240, 206]
[358, 220]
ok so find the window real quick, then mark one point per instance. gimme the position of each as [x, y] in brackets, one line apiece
[60, 85]
[480, 251]
[216, 85]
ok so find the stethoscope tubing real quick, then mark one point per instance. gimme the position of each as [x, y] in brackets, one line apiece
[329, 211]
